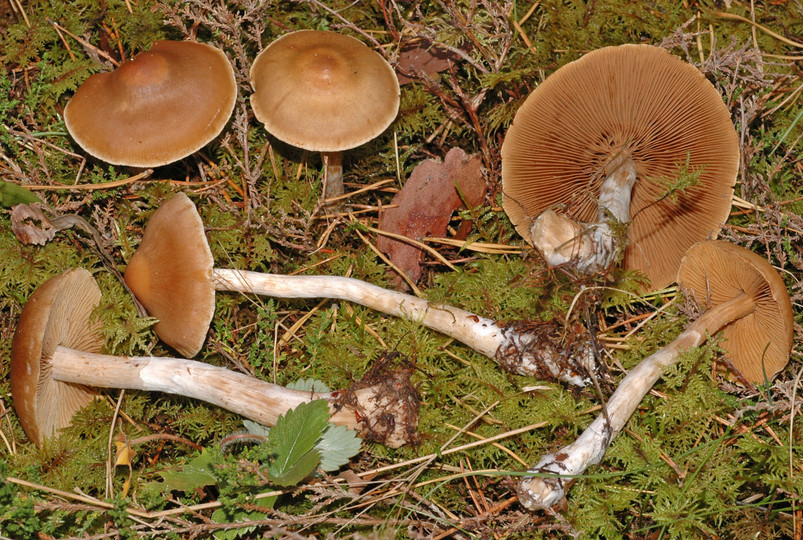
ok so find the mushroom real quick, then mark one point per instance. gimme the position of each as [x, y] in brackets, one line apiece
[163, 105]
[743, 297]
[594, 150]
[172, 274]
[325, 92]
[55, 363]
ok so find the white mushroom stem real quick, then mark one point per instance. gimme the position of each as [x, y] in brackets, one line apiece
[522, 352]
[590, 247]
[545, 491]
[334, 175]
[252, 398]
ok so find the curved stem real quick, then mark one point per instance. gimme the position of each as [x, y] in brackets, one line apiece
[590, 447]
[519, 352]
[252, 398]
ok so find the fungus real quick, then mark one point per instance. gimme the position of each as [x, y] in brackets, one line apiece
[620, 121]
[743, 296]
[325, 92]
[55, 361]
[168, 262]
[163, 105]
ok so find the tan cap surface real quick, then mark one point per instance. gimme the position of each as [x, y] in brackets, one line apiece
[655, 105]
[161, 106]
[171, 274]
[57, 313]
[323, 91]
[716, 271]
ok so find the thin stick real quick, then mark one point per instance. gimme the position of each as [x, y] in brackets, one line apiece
[85, 43]
[109, 466]
[733, 16]
[92, 187]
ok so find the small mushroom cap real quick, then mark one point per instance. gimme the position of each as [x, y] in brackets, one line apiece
[642, 99]
[57, 313]
[716, 271]
[161, 106]
[323, 91]
[171, 274]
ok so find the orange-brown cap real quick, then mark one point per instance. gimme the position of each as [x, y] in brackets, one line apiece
[323, 91]
[171, 274]
[649, 102]
[716, 271]
[57, 313]
[161, 106]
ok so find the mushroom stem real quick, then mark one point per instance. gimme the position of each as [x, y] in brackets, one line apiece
[258, 400]
[522, 352]
[590, 247]
[589, 448]
[334, 175]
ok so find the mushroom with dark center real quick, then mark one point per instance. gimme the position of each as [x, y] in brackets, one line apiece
[597, 147]
[162, 106]
[325, 92]
[55, 362]
[744, 297]
[172, 274]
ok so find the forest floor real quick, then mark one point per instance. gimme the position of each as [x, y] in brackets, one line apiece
[703, 456]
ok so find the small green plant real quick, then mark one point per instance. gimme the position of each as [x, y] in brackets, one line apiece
[676, 185]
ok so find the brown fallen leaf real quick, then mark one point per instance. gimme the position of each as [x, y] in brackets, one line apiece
[31, 226]
[425, 205]
[422, 57]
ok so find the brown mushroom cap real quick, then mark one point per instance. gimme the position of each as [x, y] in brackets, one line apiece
[655, 105]
[57, 313]
[323, 91]
[716, 271]
[161, 106]
[171, 274]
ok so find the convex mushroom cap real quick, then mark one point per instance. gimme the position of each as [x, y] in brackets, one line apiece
[55, 314]
[171, 274]
[323, 91]
[758, 344]
[163, 105]
[637, 99]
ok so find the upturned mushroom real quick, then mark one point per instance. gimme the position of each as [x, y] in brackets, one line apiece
[172, 274]
[162, 106]
[325, 92]
[743, 296]
[55, 366]
[596, 148]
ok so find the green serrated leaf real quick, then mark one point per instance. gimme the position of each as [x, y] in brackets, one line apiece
[12, 194]
[309, 385]
[337, 445]
[297, 471]
[196, 473]
[293, 440]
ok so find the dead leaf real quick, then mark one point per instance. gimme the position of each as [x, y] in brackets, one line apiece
[31, 226]
[425, 205]
[422, 57]
[125, 454]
